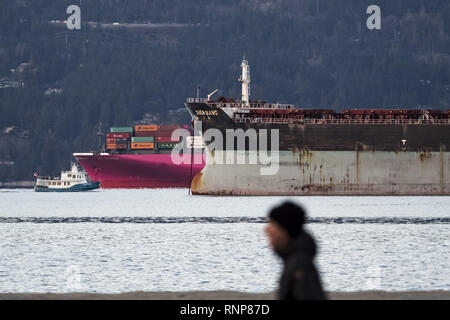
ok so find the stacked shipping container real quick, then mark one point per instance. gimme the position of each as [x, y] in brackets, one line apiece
[118, 138]
[164, 138]
[143, 137]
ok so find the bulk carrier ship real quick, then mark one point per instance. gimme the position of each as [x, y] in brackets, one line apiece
[322, 152]
[141, 157]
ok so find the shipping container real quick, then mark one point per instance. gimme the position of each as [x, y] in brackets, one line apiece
[167, 130]
[148, 145]
[145, 133]
[121, 130]
[165, 133]
[152, 127]
[122, 146]
[166, 145]
[122, 141]
[117, 135]
[167, 127]
[143, 139]
[184, 126]
[110, 146]
[167, 139]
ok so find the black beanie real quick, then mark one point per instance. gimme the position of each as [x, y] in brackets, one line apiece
[290, 216]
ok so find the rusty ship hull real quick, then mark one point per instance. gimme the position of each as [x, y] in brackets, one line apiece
[315, 158]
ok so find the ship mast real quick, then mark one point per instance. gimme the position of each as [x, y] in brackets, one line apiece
[244, 79]
[100, 134]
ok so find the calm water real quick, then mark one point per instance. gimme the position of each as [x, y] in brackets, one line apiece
[165, 240]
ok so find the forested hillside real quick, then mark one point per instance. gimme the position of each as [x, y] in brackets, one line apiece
[57, 85]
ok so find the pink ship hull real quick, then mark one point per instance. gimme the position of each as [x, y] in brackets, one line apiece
[140, 170]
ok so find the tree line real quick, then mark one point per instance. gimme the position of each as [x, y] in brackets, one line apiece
[312, 53]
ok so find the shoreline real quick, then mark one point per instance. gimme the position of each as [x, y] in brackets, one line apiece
[226, 295]
[17, 184]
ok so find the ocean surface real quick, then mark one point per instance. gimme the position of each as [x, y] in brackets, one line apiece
[113, 241]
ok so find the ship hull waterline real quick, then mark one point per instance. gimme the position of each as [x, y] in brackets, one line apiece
[77, 188]
[136, 171]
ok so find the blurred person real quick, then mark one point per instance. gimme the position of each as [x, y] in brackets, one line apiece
[300, 279]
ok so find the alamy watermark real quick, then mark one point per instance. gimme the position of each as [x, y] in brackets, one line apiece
[231, 149]
[73, 278]
[374, 21]
[73, 22]
[373, 278]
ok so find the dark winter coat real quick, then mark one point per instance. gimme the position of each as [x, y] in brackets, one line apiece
[300, 279]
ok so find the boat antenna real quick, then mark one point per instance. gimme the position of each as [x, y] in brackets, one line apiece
[100, 134]
[211, 94]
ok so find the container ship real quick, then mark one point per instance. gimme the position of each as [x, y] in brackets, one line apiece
[354, 152]
[141, 157]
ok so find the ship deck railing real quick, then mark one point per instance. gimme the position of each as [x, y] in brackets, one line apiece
[240, 104]
[345, 121]
[196, 100]
[49, 178]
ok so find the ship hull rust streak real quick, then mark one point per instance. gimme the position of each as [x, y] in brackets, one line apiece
[332, 173]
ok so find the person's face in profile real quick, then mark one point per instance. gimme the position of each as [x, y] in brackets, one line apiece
[278, 237]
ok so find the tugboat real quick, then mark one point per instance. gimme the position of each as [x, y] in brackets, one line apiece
[73, 180]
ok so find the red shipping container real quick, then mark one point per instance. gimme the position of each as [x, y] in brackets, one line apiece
[167, 127]
[145, 133]
[122, 146]
[173, 127]
[117, 135]
[166, 139]
[165, 133]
